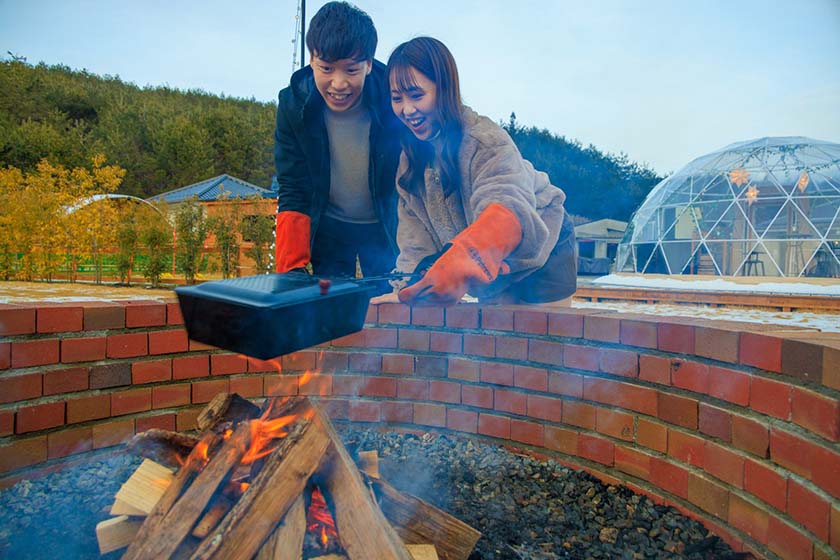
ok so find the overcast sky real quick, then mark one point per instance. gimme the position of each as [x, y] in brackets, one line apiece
[662, 81]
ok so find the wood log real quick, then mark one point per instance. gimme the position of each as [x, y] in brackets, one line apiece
[272, 492]
[369, 463]
[116, 533]
[143, 489]
[418, 522]
[153, 524]
[286, 542]
[422, 552]
[226, 408]
[362, 529]
[162, 446]
[218, 509]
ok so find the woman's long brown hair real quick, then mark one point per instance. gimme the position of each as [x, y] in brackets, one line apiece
[431, 58]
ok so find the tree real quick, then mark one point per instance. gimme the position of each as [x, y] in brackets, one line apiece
[191, 229]
[224, 225]
[155, 235]
[127, 238]
[258, 229]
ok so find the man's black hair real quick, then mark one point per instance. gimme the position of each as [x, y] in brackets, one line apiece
[341, 30]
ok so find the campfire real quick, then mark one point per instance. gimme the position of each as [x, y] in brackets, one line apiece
[270, 483]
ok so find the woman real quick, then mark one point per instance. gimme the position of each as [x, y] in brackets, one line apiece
[466, 193]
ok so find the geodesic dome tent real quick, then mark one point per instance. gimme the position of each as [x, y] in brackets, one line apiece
[766, 207]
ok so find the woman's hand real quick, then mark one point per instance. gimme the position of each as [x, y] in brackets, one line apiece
[385, 298]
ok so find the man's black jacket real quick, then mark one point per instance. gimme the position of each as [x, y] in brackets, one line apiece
[302, 155]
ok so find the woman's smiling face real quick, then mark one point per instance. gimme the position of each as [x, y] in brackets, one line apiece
[416, 106]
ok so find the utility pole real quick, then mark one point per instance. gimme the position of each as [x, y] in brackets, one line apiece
[302, 31]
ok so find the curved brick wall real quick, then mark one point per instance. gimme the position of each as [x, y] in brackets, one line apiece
[735, 424]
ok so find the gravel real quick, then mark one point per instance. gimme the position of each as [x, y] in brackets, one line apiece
[525, 508]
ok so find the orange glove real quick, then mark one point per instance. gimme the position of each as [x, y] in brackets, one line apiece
[476, 257]
[292, 241]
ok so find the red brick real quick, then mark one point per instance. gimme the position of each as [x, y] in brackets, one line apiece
[496, 373]
[708, 495]
[632, 462]
[561, 324]
[190, 367]
[227, 364]
[624, 395]
[618, 362]
[400, 364]
[816, 412]
[675, 338]
[835, 527]
[669, 477]
[145, 314]
[463, 369]
[307, 361]
[5, 355]
[729, 385]
[724, 464]
[131, 401]
[565, 384]
[204, 391]
[510, 401]
[430, 414]
[365, 362]
[413, 340]
[88, 408]
[16, 388]
[394, 313]
[264, 366]
[103, 316]
[350, 340]
[151, 371]
[545, 351]
[173, 314]
[638, 333]
[479, 345]
[115, 432]
[111, 374]
[316, 384]
[766, 483]
[512, 348]
[372, 315]
[678, 410]
[716, 344]
[791, 452]
[397, 412]
[462, 420]
[652, 435]
[380, 338]
[196, 346]
[529, 433]
[7, 422]
[787, 541]
[39, 417]
[715, 422]
[825, 470]
[363, 411]
[601, 328]
[685, 447]
[67, 380]
[446, 342]
[23, 453]
[750, 435]
[494, 426]
[168, 396]
[596, 449]
[427, 316]
[580, 357]
[17, 320]
[413, 389]
[280, 385]
[159, 421]
[534, 379]
[28, 353]
[430, 366]
[186, 419]
[692, 376]
[808, 508]
[560, 439]
[476, 395]
[83, 349]
[761, 351]
[831, 367]
[545, 408]
[59, 318]
[445, 391]
[170, 341]
[802, 360]
[248, 386]
[329, 362]
[614, 423]
[655, 369]
[69, 442]
[128, 345]
[580, 414]
[494, 318]
[462, 317]
[531, 322]
[770, 397]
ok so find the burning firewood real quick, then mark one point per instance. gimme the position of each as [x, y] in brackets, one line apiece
[162, 446]
[142, 490]
[223, 408]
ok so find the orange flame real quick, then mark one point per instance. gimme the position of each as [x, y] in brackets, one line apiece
[264, 431]
[304, 379]
[227, 434]
[324, 538]
[320, 518]
[201, 449]
[244, 486]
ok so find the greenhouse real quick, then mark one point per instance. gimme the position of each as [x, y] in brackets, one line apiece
[766, 207]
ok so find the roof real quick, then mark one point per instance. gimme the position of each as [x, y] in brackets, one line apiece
[211, 189]
[605, 228]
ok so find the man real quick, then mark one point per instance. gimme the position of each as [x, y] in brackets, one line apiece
[336, 150]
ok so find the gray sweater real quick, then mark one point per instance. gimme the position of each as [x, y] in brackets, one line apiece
[492, 170]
